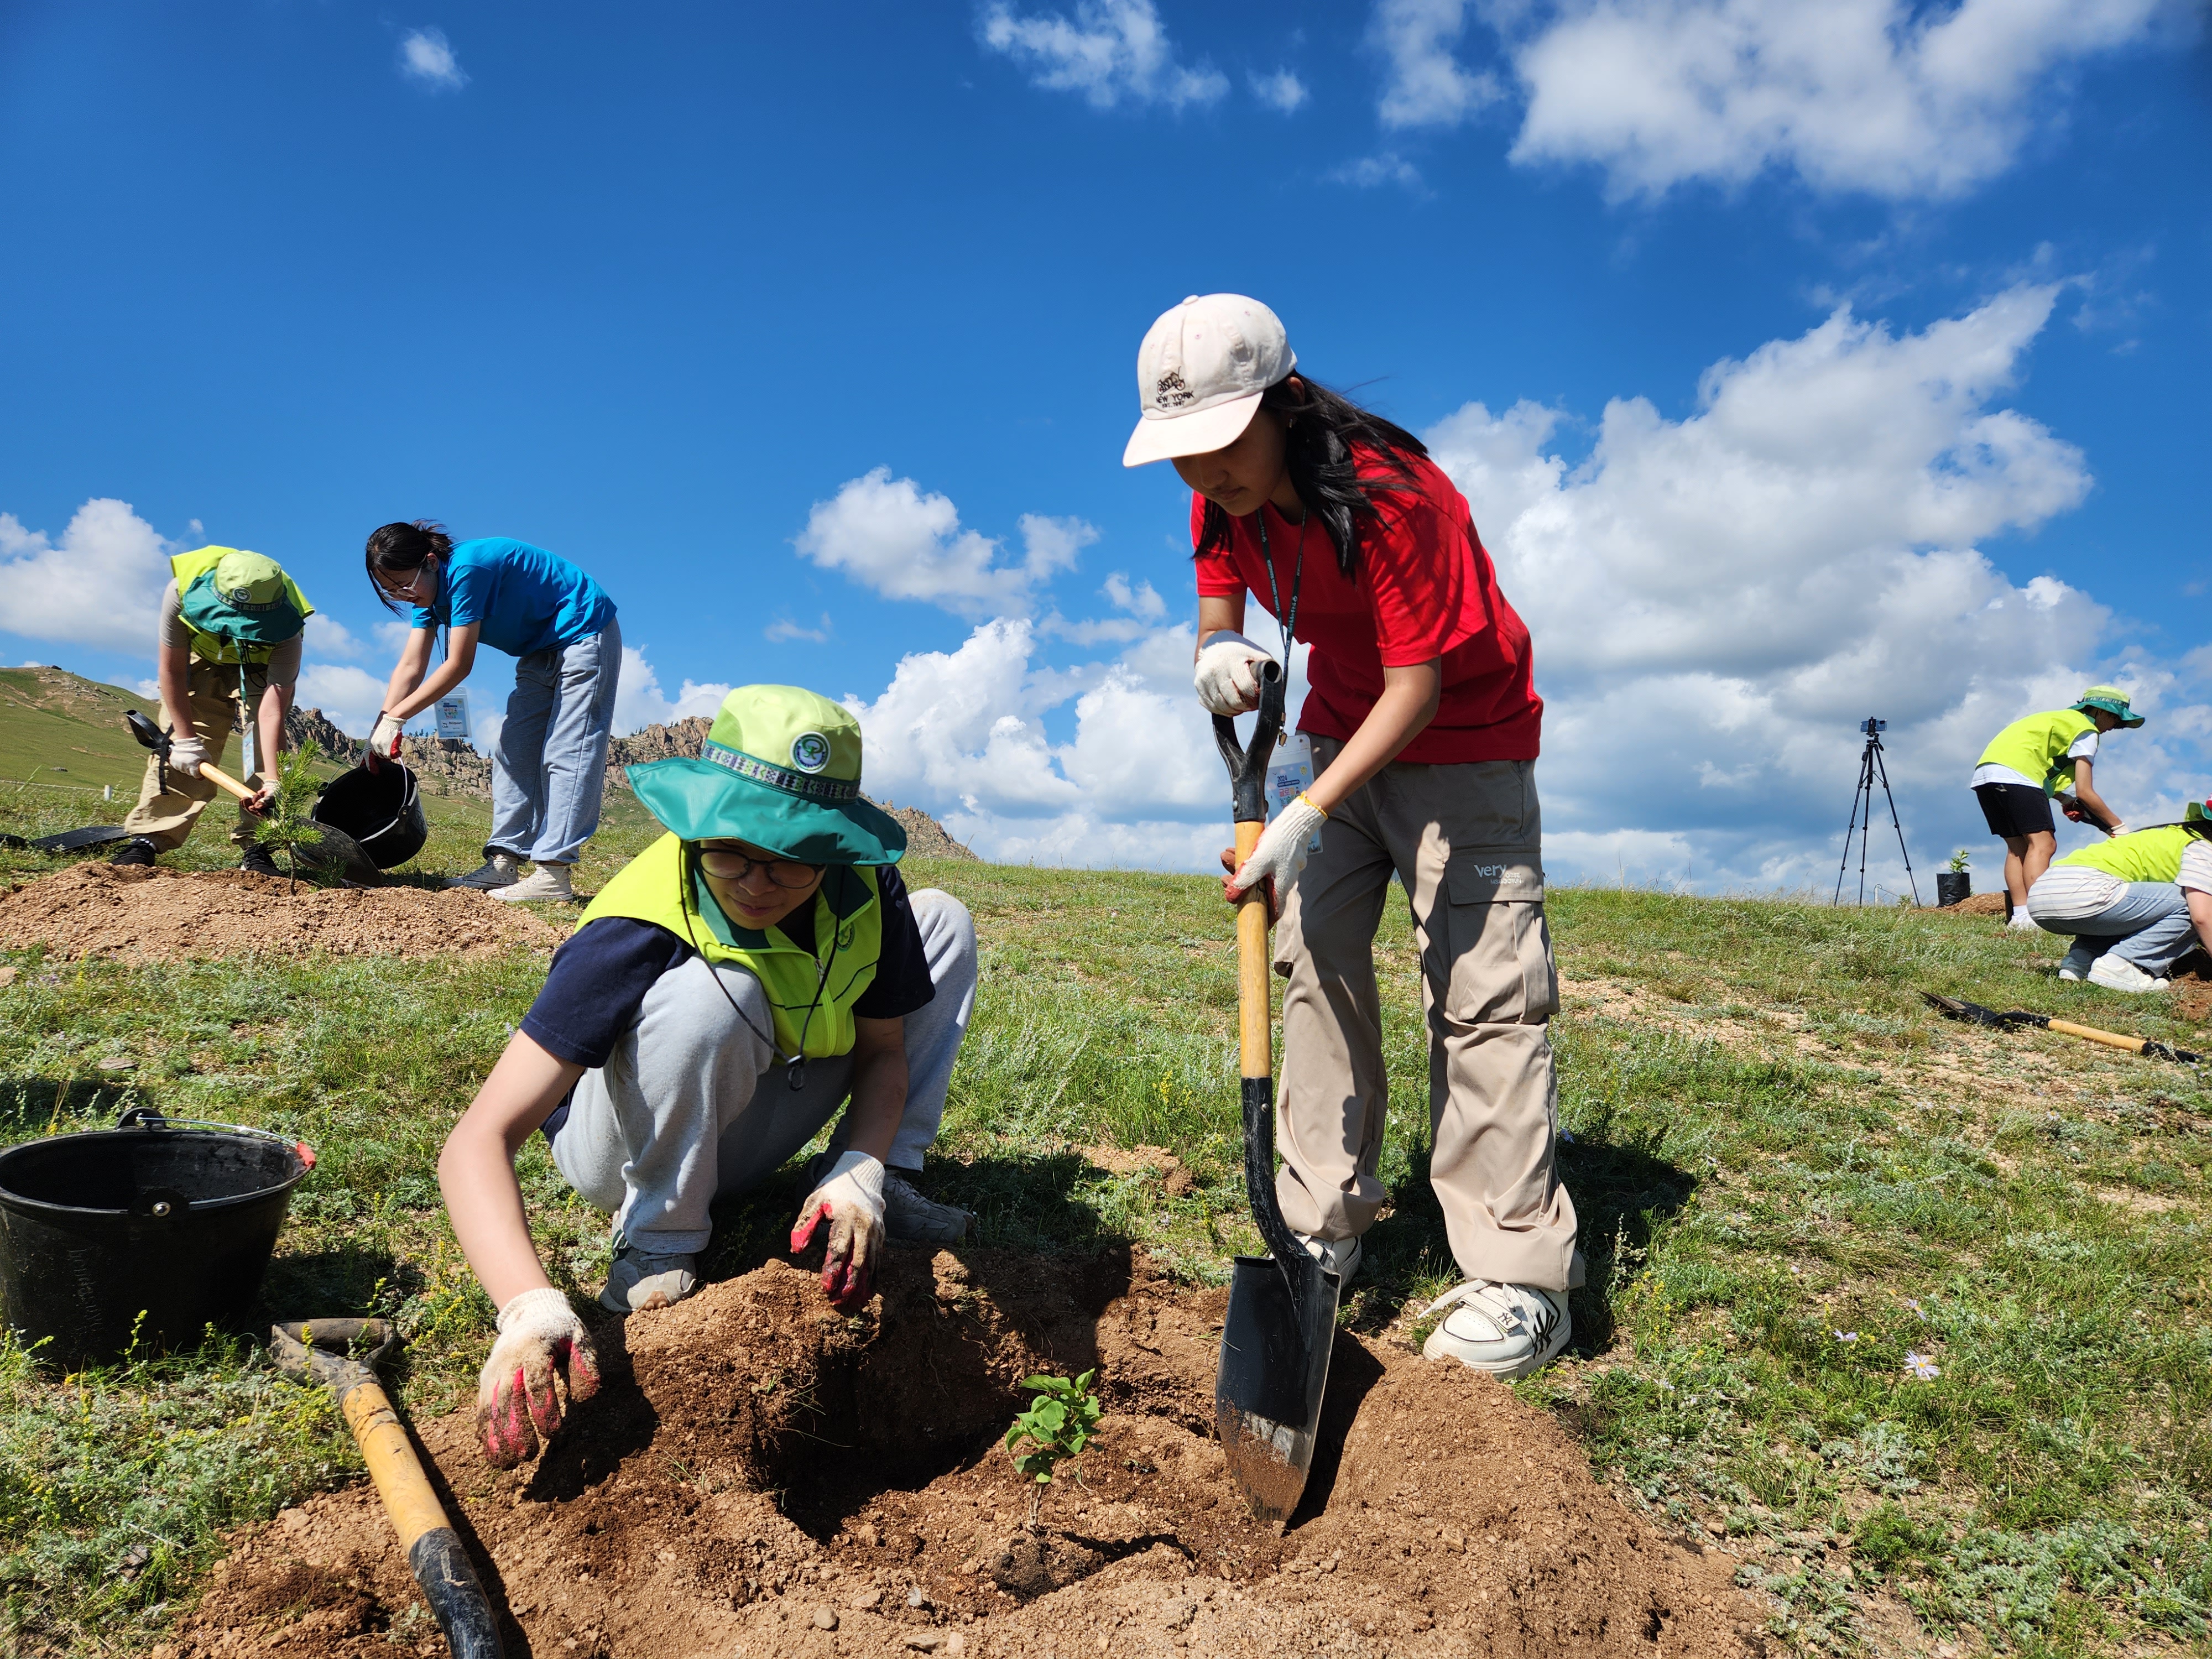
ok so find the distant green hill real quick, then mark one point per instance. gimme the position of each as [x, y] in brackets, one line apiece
[58, 729]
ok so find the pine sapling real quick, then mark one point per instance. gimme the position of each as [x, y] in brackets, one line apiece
[1057, 1426]
[288, 824]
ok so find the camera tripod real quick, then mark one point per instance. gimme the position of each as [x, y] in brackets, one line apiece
[1871, 771]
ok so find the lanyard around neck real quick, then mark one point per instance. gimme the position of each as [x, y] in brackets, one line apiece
[1288, 621]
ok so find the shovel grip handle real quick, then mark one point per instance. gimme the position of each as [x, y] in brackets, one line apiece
[225, 782]
[1255, 1015]
[2110, 1039]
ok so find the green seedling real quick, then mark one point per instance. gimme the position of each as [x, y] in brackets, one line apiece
[1959, 860]
[288, 824]
[1057, 1426]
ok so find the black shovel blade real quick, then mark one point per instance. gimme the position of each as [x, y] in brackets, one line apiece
[73, 841]
[1274, 1369]
[339, 857]
[144, 730]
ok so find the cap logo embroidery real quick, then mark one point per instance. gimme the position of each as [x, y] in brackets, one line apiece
[1171, 392]
[809, 752]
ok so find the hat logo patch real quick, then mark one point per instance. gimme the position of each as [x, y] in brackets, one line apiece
[809, 752]
[1172, 391]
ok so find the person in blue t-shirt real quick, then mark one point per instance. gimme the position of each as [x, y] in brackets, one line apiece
[550, 762]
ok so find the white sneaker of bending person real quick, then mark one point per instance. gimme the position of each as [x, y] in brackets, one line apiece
[547, 882]
[2022, 922]
[639, 1281]
[1340, 1256]
[2117, 973]
[498, 870]
[1510, 1331]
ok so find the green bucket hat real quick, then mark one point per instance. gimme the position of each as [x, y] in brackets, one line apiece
[245, 599]
[780, 770]
[2112, 700]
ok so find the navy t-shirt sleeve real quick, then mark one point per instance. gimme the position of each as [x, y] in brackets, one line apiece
[901, 982]
[596, 987]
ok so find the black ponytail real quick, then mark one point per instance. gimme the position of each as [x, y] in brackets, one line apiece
[1320, 426]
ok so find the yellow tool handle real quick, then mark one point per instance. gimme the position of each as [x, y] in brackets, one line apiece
[224, 781]
[2111, 1039]
[400, 1482]
[1254, 1014]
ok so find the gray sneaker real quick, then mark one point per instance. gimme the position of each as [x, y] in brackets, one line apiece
[498, 870]
[638, 1280]
[913, 1219]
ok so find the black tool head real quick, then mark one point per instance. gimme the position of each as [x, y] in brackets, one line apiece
[146, 732]
[1247, 766]
[1267, 1394]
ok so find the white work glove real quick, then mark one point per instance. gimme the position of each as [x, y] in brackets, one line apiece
[1281, 854]
[383, 740]
[1228, 674]
[518, 1400]
[851, 1200]
[2118, 829]
[187, 756]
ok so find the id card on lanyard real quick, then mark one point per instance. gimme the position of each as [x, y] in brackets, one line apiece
[1290, 773]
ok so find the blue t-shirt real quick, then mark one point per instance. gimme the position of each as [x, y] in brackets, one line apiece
[521, 598]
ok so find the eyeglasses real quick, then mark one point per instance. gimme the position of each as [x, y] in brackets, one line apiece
[725, 865]
[401, 590]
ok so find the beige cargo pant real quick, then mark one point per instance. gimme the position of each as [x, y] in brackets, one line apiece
[1465, 840]
[165, 816]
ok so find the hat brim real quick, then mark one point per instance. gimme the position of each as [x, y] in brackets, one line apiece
[702, 801]
[1162, 438]
[2126, 719]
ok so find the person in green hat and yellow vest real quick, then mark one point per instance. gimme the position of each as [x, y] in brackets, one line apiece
[2132, 904]
[730, 989]
[2032, 760]
[227, 653]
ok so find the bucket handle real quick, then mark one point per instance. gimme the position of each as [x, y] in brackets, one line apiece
[147, 1117]
[406, 798]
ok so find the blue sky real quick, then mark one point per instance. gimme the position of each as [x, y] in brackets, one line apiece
[1801, 359]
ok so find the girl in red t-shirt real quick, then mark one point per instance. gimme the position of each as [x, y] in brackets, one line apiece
[1423, 723]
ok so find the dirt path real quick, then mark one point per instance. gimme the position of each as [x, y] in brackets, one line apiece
[151, 914]
[763, 1477]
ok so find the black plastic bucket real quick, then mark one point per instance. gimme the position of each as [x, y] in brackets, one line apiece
[1954, 886]
[148, 1229]
[380, 810]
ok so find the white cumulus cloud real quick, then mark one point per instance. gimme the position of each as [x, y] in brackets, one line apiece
[1369, 171]
[1281, 90]
[1111, 51]
[1425, 84]
[640, 701]
[350, 697]
[784, 629]
[886, 534]
[100, 585]
[1887, 97]
[426, 58]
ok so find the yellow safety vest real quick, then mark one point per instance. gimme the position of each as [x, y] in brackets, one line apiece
[812, 992]
[189, 568]
[2036, 747]
[2152, 855]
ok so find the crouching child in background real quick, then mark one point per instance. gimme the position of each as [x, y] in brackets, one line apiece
[2136, 904]
[739, 981]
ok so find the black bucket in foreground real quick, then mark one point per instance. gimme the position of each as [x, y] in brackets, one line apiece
[379, 810]
[147, 1219]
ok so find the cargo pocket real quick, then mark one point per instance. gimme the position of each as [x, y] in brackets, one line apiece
[1499, 969]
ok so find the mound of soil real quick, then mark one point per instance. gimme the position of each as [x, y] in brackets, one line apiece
[762, 1476]
[1975, 904]
[147, 912]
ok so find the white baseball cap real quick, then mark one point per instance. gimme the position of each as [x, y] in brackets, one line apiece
[1199, 374]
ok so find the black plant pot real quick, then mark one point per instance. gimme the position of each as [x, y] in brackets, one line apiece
[1953, 886]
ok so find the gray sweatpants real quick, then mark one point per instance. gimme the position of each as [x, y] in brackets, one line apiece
[693, 1105]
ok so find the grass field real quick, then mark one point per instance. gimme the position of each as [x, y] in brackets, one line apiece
[1913, 1315]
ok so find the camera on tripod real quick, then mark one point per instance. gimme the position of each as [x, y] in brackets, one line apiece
[1871, 727]
[1873, 772]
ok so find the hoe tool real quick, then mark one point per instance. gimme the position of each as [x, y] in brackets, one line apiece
[153, 737]
[1282, 1307]
[321, 1351]
[1976, 1014]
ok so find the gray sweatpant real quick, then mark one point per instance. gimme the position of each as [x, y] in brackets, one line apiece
[693, 1105]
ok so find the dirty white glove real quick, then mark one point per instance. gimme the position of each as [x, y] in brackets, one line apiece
[187, 756]
[1280, 855]
[851, 1200]
[1228, 673]
[383, 738]
[542, 1344]
[2118, 829]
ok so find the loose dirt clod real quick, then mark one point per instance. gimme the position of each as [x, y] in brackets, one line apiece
[762, 1475]
[148, 914]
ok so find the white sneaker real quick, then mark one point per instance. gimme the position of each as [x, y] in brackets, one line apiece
[1340, 1256]
[547, 882]
[498, 870]
[2119, 974]
[1510, 1331]
[2022, 922]
[2070, 975]
[638, 1281]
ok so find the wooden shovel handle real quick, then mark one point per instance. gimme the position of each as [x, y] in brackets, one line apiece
[1255, 1016]
[224, 781]
[2110, 1039]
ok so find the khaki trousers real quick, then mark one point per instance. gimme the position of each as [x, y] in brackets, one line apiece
[165, 816]
[1465, 841]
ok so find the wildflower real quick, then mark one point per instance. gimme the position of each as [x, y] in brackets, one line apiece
[1847, 1336]
[1919, 1366]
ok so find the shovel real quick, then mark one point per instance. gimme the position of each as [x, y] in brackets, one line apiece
[337, 853]
[153, 737]
[1958, 1008]
[321, 1351]
[1282, 1307]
